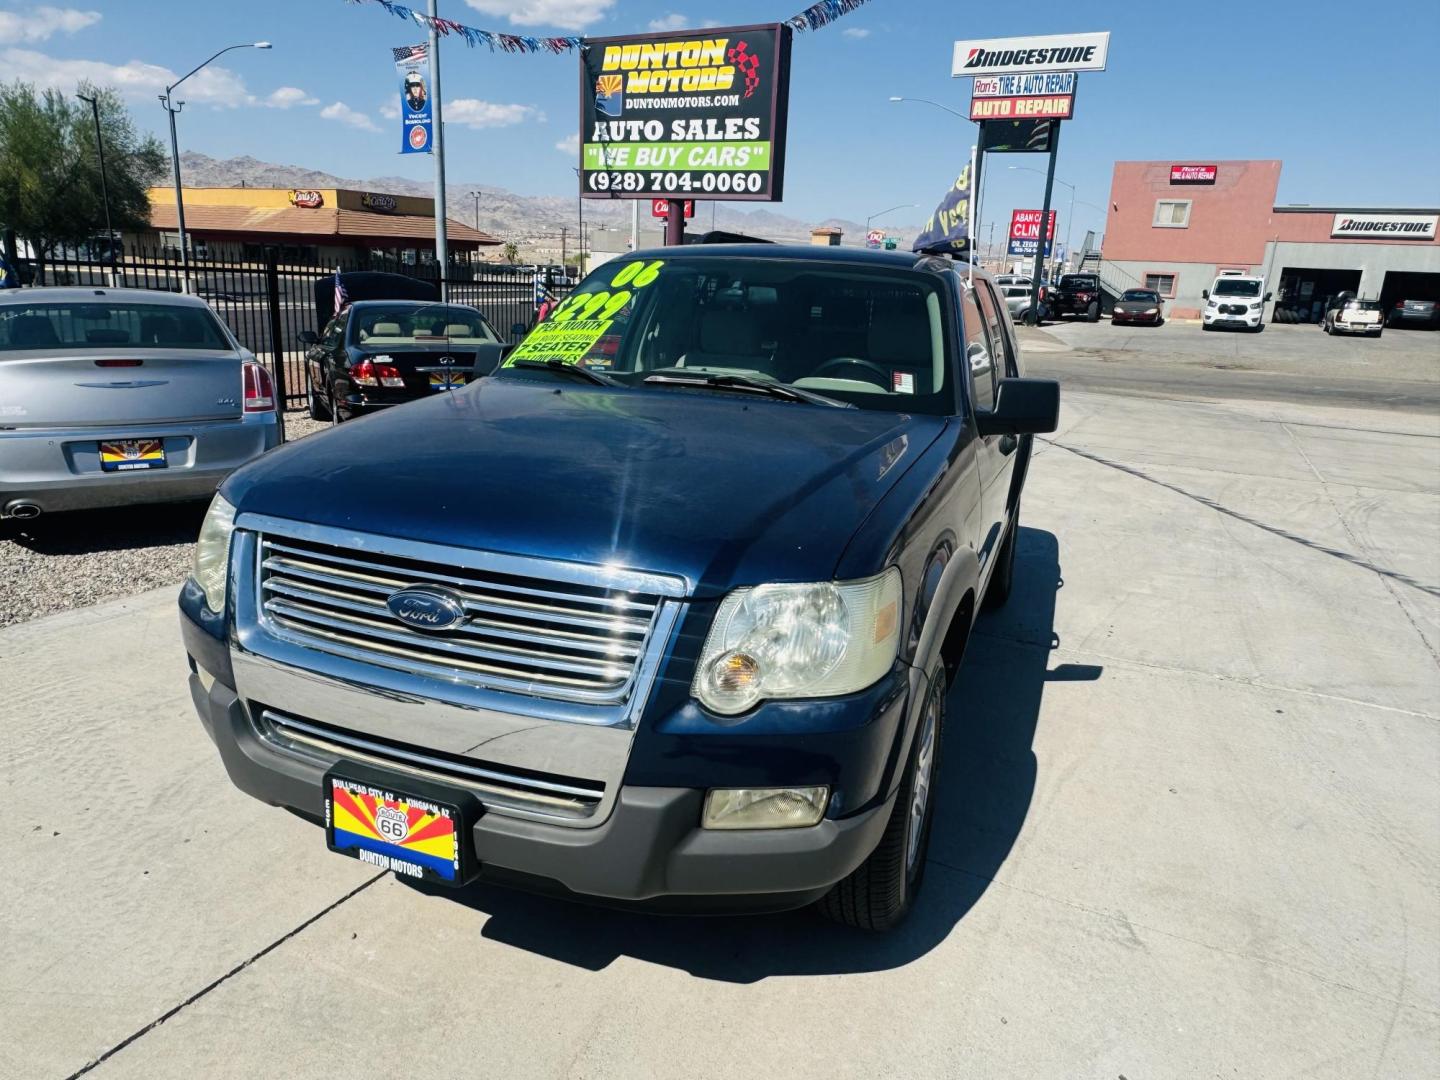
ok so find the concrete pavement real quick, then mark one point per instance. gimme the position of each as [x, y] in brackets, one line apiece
[1189, 826]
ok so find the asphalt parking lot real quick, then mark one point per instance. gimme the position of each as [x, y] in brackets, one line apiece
[1189, 818]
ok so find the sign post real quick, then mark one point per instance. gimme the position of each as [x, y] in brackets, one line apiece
[1032, 318]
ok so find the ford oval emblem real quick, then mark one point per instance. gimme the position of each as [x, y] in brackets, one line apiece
[426, 607]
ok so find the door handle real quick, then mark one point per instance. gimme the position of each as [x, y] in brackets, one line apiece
[1008, 444]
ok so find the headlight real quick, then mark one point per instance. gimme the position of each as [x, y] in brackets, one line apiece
[1257, 306]
[1152, 311]
[1211, 303]
[797, 641]
[212, 552]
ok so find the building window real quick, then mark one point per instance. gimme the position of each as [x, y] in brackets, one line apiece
[1172, 213]
[1164, 284]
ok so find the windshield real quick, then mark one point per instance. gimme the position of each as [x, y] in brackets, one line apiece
[868, 336]
[1236, 287]
[1141, 295]
[418, 324]
[109, 326]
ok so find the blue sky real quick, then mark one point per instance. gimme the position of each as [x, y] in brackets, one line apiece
[1344, 95]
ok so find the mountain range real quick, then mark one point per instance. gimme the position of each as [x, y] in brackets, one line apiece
[534, 222]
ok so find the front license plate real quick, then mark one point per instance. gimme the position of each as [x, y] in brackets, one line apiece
[438, 381]
[410, 833]
[132, 455]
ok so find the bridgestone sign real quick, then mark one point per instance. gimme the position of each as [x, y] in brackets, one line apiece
[1385, 226]
[1024, 55]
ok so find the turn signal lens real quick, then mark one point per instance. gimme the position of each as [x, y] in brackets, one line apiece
[259, 390]
[765, 808]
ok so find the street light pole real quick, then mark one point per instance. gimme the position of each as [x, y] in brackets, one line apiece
[442, 247]
[476, 196]
[94, 103]
[167, 100]
[882, 213]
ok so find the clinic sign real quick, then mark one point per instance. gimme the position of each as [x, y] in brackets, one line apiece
[1030, 55]
[1025, 232]
[1384, 226]
[685, 115]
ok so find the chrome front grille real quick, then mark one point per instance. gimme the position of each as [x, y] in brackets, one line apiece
[544, 795]
[520, 633]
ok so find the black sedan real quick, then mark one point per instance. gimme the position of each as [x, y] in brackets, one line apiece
[1139, 306]
[378, 353]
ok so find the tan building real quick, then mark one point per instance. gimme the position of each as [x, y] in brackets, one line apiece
[307, 224]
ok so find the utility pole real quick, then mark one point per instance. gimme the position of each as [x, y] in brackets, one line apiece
[172, 109]
[562, 247]
[94, 103]
[476, 196]
[634, 224]
[442, 252]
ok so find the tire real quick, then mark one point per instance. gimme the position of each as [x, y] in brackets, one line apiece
[880, 892]
[313, 406]
[1325, 326]
[1002, 581]
[1206, 326]
[1259, 328]
[1092, 313]
[335, 416]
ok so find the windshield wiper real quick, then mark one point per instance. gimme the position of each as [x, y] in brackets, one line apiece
[783, 391]
[579, 371]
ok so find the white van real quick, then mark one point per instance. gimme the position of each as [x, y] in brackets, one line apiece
[1236, 300]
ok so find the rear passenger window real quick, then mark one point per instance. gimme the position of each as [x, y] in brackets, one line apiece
[978, 353]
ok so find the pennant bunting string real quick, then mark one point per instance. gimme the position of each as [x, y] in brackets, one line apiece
[813, 17]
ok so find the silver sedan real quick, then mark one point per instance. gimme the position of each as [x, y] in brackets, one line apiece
[110, 397]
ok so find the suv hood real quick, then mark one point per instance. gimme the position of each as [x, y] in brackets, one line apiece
[721, 488]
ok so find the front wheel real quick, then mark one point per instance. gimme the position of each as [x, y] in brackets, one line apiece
[881, 890]
[1092, 312]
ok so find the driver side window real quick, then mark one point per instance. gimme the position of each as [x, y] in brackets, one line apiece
[334, 332]
[979, 353]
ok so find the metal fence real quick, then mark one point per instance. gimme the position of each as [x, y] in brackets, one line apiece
[267, 303]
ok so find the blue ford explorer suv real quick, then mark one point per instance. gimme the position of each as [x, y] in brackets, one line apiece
[662, 612]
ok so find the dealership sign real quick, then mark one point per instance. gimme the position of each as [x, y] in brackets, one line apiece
[1027, 55]
[1385, 226]
[1193, 174]
[685, 115]
[1048, 106]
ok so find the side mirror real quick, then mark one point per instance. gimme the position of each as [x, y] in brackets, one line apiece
[1205, 294]
[1022, 407]
[308, 337]
[1267, 297]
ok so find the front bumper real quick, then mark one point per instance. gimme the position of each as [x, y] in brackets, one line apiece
[648, 851]
[60, 469]
[1249, 320]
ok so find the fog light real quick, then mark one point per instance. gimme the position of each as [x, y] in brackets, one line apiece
[764, 808]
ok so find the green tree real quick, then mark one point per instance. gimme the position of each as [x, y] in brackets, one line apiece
[50, 192]
[512, 252]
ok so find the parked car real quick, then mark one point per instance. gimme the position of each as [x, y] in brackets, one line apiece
[1424, 313]
[1076, 294]
[1018, 300]
[663, 612]
[112, 397]
[1235, 300]
[1005, 280]
[378, 353]
[1138, 306]
[1349, 315]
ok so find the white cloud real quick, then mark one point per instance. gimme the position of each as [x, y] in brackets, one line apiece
[855, 32]
[669, 22]
[341, 112]
[390, 111]
[42, 23]
[286, 96]
[475, 113]
[133, 79]
[566, 14]
[569, 145]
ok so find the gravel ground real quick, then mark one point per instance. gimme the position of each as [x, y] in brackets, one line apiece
[55, 563]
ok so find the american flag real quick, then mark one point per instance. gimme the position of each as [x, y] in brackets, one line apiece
[341, 296]
[410, 52]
